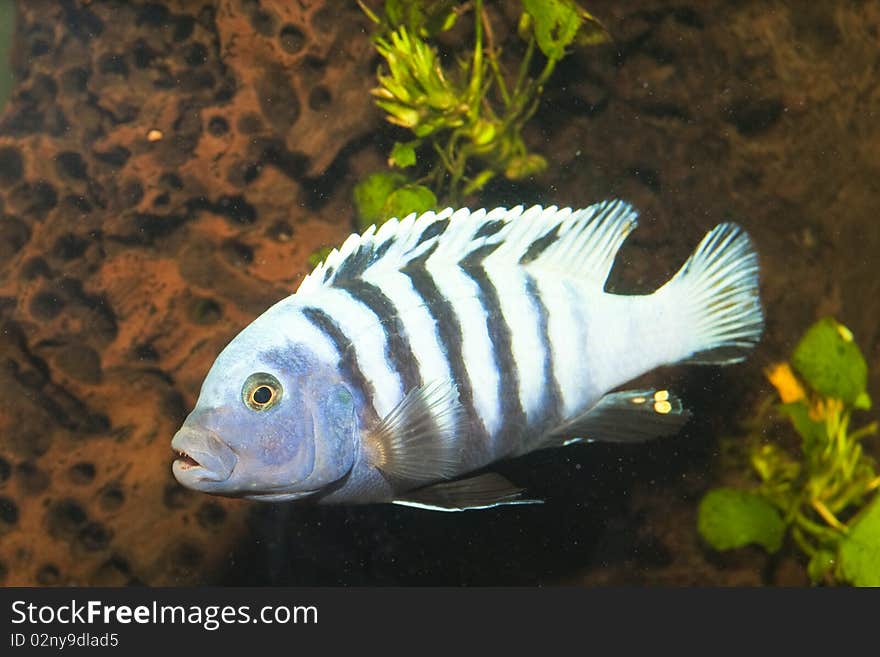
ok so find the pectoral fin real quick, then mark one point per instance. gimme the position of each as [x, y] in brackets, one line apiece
[484, 491]
[416, 442]
[624, 417]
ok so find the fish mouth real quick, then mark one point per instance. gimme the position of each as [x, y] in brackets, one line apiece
[185, 461]
[202, 457]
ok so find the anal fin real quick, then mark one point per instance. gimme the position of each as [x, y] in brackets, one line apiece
[484, 491]
[623, 417]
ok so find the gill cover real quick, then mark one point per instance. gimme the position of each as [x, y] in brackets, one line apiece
[334, 424]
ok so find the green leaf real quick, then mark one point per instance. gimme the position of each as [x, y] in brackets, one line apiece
[408, 199]
[371, 195]
[524, 166]
[730, 518]
[830, 362]
[820, 564]
[556, 24]
[483, 132]
[403, 154]
[863, 401]
[440, 16]
[813, 433]
[860, 548]
[396, 12]
[318, 256]
[592, 32]
[401, 115]
[774, 465]
[425, 18]
[479, 181]
[524, 26]
[416, 93]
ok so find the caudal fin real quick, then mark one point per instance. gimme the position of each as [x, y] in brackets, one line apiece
[716, 299]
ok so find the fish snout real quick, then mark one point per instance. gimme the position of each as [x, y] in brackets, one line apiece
[203, 457]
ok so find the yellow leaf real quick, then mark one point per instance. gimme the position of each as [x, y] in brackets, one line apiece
[822, 409]
[785, 382]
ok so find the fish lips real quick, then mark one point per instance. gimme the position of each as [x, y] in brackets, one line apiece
[204, 457]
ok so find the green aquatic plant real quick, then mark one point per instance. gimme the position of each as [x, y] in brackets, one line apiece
[823, 495]
[466, 117]
[319, 256]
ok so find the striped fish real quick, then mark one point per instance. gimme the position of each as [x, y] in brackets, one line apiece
[426, 350]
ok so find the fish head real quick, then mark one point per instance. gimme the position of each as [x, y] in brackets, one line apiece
[271, 423]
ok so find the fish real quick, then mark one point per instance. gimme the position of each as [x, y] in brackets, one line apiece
[420, 353]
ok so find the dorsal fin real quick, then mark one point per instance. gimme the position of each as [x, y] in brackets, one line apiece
[397, 242]
[582, 243]
[574, 242]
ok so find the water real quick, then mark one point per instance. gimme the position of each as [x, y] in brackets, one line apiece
[165, 174]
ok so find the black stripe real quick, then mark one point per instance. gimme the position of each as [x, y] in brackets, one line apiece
[513, 417]
[357, 262]
[347, 354]
[475, 258]
[432, 230]
[398, 349]
[383, 248]
[354, 264]
[538, 247]
[449, 335]
[490, 228]
[552, 401]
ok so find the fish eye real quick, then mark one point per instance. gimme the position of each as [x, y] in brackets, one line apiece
[261, 391]
[262, 395]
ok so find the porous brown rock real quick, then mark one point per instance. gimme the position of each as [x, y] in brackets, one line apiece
[165, 170]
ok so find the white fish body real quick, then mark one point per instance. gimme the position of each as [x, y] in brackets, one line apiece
[467, 337]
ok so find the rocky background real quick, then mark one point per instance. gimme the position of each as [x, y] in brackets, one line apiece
[167, 168]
